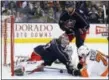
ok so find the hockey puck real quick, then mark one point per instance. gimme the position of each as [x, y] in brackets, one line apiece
[61, 71]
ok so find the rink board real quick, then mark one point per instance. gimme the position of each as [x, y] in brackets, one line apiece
[44, 32]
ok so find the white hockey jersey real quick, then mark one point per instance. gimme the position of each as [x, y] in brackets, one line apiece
[96, 65]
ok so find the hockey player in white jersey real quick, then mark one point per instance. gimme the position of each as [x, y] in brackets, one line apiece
[95, 62]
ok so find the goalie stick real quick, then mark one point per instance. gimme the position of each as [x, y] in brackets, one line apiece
[38, 69]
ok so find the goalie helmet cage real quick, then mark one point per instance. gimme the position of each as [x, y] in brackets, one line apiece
[11, 40]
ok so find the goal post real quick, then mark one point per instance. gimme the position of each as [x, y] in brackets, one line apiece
[12, 45]
[8, 38]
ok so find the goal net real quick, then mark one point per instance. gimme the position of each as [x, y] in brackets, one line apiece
[13, 51]
[8, 42]
[10, 56]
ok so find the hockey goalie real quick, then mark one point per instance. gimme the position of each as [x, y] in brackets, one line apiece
[95, 62]
[47, 54]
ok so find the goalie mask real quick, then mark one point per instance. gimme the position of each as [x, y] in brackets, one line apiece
[64, 40]
[83, 51]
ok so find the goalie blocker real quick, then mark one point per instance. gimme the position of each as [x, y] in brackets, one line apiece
[55, 49]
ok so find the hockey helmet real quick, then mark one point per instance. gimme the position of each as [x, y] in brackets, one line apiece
[83, 50]
[70, 4]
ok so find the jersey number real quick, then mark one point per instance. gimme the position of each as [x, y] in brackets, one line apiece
[100, 57]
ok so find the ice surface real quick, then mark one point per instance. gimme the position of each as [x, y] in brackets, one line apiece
[26, 49]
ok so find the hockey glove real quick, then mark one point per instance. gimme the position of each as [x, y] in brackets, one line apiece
[76, 72]
[69, 67]
[80, 66]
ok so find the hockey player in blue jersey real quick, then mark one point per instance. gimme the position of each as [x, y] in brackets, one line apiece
[55, 49]
[75, 24]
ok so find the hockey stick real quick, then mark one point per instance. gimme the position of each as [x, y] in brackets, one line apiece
[60, 70]
[52, 68]
[105, 20]
[38, 70]
[34, 70]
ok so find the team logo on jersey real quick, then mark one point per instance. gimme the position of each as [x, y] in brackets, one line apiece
[70, 23]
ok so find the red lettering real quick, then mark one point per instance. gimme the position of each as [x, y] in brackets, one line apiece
[100, 29]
